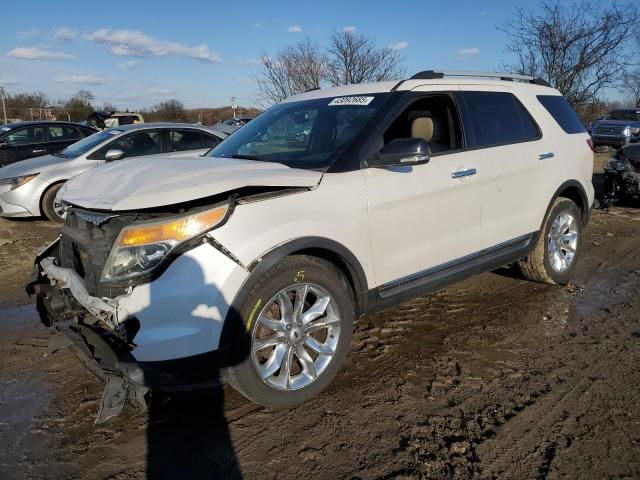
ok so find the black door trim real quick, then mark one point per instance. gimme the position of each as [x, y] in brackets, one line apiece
[435, 278]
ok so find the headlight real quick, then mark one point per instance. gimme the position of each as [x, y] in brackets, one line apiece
[634, 131]
[626, 131]
[16, 182]
[141, 247]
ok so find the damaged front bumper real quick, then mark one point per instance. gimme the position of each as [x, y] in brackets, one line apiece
[149, 336]
[90, 327]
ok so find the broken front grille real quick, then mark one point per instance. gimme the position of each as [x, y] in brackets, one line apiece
[86, 240]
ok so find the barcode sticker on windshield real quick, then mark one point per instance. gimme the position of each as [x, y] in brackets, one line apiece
[5, 129]
[115, 132]
[351, 101]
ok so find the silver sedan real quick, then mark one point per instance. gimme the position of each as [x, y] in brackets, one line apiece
[28, 188]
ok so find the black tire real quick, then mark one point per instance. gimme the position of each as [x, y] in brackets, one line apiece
[47, 204]
[537, 266]
[287, 272]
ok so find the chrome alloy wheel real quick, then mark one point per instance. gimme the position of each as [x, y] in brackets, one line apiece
[59, 209]
[563, 241]
[295, 336]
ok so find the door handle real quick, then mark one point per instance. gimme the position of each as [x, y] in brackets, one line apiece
[38, 151]
[464, 173]
[545, 155]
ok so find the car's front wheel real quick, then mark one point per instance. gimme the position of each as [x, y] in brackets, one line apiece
[52, 209]
[299, 320]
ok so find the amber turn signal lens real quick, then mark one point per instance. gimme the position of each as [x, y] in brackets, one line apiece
[175, 230]
[24, 180]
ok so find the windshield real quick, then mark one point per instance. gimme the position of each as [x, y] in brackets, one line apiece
[306, 134]
[86, 144]
[625, 115]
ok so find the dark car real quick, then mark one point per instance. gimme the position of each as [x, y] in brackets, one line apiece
[238, 121]
[617, 129]
[22, 140]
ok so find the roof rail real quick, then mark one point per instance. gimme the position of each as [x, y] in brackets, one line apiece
[433, 75]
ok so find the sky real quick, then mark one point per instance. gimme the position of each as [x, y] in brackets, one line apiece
[202, 52]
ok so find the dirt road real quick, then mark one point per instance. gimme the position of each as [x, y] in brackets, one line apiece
[495, 377]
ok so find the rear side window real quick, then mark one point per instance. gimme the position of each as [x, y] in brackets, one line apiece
[562, 112]
[499, 118]
[183, 140]
[63, 133]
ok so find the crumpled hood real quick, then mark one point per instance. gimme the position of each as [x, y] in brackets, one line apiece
[32, 165]
[156, 182]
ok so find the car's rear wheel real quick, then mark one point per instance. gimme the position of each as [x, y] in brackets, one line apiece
[53, 210]
[558, 247]
[299, 320]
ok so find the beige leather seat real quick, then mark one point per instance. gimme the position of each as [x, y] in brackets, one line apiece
[422, 127]
[431, 131]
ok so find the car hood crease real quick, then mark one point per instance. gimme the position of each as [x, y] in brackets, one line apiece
[150, 183]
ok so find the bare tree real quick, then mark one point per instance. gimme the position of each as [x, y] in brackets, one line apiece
[79, 105]
[354, 58]
[169, 111]
[295, 69]
[631, 87]
[21, 105]
[580, 49]
[109, 107]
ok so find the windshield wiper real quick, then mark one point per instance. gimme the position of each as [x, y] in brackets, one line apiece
[246, 157]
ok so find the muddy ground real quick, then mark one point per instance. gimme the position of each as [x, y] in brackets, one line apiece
[495, 377]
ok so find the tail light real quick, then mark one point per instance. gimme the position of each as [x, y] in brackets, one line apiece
[591, 145]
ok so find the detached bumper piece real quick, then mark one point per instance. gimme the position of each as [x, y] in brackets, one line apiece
[105, 359]
[92, 330]
[103, 338]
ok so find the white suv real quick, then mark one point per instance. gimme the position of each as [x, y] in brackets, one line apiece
[336, 203]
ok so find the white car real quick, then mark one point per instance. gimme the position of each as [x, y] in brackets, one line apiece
[29, 188]
[260, 262]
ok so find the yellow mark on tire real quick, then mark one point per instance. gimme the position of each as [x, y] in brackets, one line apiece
[253, 314]
[299, 276]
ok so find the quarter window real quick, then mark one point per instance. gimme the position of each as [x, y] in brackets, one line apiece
[562, 112]
[210, 141]
[498, 118]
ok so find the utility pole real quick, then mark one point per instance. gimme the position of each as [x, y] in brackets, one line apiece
[3, 94]
[233, 106]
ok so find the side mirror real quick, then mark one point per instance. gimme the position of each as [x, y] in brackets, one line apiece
[4, 144]
[113, 154]
[401, 152]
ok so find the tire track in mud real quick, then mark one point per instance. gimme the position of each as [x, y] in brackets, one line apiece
[533, 430]
[452, 451]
